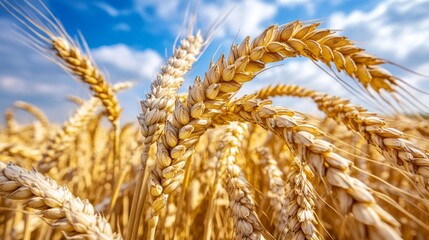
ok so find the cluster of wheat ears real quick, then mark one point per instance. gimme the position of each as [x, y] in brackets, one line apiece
[206, 164]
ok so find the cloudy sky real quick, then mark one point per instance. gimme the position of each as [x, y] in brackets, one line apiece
[130, 39]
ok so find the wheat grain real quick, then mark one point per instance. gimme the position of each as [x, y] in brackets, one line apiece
[85, 69]
[205, 99]
[76, 100]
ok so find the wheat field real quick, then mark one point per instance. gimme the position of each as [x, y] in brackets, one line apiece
[208, 163]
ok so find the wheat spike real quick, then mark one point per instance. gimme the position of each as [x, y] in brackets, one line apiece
[276, 191]
[246, 222]
[391, 142]
[85, 69]
[36, 112]
[56, 204]
[67, 134]
[222, 167]
[71, 129]
[159, 104]
[300, 203]
[21, 151]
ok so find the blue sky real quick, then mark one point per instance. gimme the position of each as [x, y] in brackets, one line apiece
[130, 39]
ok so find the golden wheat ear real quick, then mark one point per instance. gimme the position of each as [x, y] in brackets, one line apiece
[42, 31]
[20, 151]
[55, 204]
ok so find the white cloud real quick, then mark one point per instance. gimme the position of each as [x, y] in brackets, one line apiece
[25, 71]
[12, 84]
[395, 29]
[309, 5]
[26, 75]
[122, 27]
[113, 12]
[246, 17]
[120, 58]
[300, 72]
[336, 2]
[16, 85]
[108, 9]
[149, 9]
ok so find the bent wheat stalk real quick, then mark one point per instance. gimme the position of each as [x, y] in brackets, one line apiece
[36, 112]
[49, 37]
[225, 78]
[177, 122]
[10, 122]
[67, 134]
[353, 195]
[389, 141]
[85, 69]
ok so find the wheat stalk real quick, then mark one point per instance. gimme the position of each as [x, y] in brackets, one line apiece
[40, 116]
[67, 134]
[76, 100]
[10, 122]
[391, 142]
[71, 129]
[36, 112]
[158, 105]
[184, 202]
[353, 195]
[283, 90]
[205, 99]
